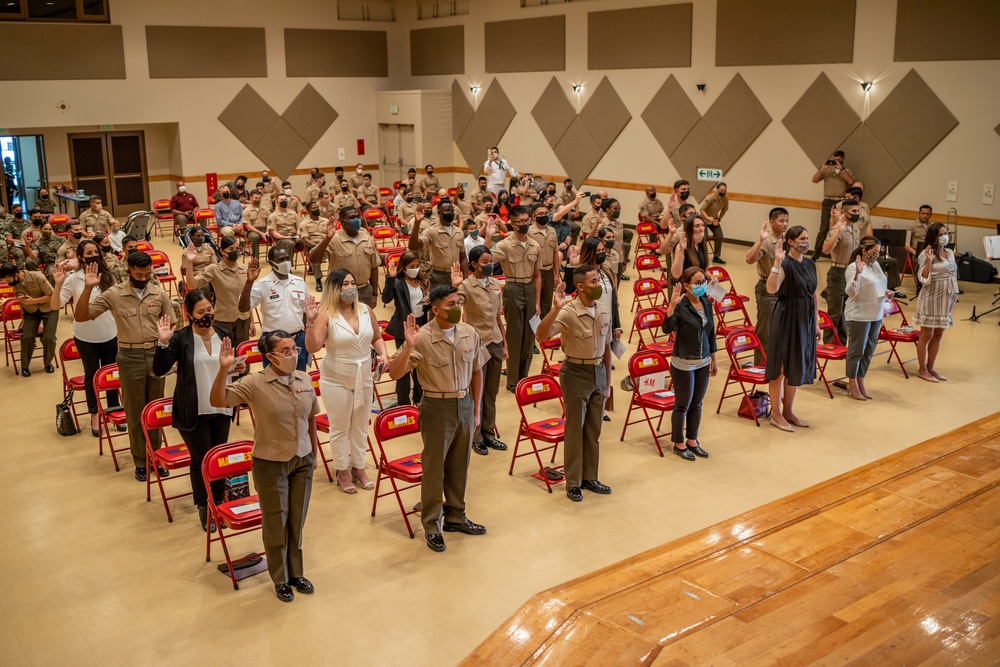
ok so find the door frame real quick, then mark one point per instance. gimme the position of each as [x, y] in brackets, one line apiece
[109, 175]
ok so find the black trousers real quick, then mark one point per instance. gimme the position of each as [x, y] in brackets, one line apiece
[689, 392]
[93, 356]
[210, 431]
[403, 384]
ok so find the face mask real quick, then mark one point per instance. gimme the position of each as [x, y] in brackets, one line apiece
[594, 292]
[282, 267]
[870, 258]
[198, 242]
[359, 171]
[90, 260]
[522, 229]
[46, 235]
[608, 245]
[138, 284]
[600, 258]
[408, 199]
[232, 256]
[430, 172]
[453, 315]
[542, 220]
[98, 207]
[943, 240]
[77, 235]
[19, 215]
[352, 224]
[349, 294]
[614, 214]
[486, 270]
[684, 195]
[105, 249]
[652, 196]
[803, 247]
[503, 199]
[45, 196]
[182, 188]
[284, 364]
[283, 204]
[722, 193]
[227, 194]
[413, 273]
[448, 217]
[853, 217]
[698, 291]
[287, 191]
[314, 214]
[343, 188]
[205, 321]
[474, 233]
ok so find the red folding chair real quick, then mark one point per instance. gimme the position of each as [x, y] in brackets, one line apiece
[548, 348]
[76, 383]
[384, 236]
[652, 263]
[740, 346]
[649, 323]
[388, 381]
[391, 424]
[898, 334]
[322, 426]
[164, 218]
[158, 415]
[724, 278]
[532, 391]
[10, 311]
[374, 217]
[163, 270]
[105, 380]
[642, 365]
[827, 352]
[59, 219]
[392, 260]
[732, 316]
[908, 268]
[385, 194]
[254, 356]
[647, 293]
[240, 515]
[645, 230]
[143, 246]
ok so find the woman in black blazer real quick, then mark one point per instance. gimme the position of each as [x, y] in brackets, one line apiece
[195, 350]
[407, 289]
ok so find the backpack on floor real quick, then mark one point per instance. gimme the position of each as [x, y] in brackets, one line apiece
[973, 269]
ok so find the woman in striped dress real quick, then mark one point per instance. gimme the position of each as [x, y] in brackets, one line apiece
[938, 274]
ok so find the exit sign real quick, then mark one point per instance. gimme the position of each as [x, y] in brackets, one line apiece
[709, 174]
[107, 127]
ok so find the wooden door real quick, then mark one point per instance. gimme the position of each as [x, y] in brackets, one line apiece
[112, 165]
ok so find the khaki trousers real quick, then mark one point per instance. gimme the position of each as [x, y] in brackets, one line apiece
[446, 429]
[139, 387]
[583, 393]
[284, 488]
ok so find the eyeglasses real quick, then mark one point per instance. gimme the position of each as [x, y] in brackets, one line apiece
[294, 352]
[699, 283]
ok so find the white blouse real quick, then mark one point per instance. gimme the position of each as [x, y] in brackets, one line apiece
[865, 293]
[206, 367]
[99, 330]
[416, 300]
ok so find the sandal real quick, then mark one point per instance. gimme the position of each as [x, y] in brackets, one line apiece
[367, 485]
[349, 489]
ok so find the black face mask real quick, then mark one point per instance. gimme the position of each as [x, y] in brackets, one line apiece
[138, 284]
[652, 196]
[37, 222]
[614, 214]
[600, 258]
[232, 256]
[90, 260]
[853, 217]
[227, 194]
[343, 188]
[608, 245]
[77, 235]
[283, 204]
[266, 179]
[448, 217]
[684, 195]
[522, 229]
[486, 270]
[542, 220]
[45, 196]
[105, 248]
[19, 215]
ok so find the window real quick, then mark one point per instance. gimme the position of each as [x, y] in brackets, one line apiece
[365, 10]
[432, 9]
[55, 10]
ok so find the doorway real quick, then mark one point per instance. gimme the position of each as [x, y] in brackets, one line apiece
[398, 152]
[23, 158]
[112, 165]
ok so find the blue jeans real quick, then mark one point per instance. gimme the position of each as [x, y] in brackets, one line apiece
[300, 341]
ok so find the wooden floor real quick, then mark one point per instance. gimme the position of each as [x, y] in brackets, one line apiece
[896, 563]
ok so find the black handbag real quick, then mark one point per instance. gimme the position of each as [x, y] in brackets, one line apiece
[65, 424]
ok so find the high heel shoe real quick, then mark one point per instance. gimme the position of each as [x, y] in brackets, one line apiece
[367, 486]
[782, 427]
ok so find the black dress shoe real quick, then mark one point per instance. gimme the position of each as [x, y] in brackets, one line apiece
[698, 451]
[25, 373]
[467, 527]
[49, 368]
[319, 286]
[206, 524]
[623, 277]
[96, 433]
[896, 294]
[493, 443]
[121, 427]
[718, 260]
[683, 453]
[302, 585]
[606, 418]
[536, 350]
[480, 448]
[574, 494]
[163, 471]
[511, 388]
[284, 592]
[140, 474]
[596, 487]
[435, 542]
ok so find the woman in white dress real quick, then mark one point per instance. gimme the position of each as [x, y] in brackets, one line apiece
[938, 274]
[349, 331]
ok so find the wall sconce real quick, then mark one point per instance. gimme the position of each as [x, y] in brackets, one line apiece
[700, 87]
[577, 88]
[866, 86]
[474, 89]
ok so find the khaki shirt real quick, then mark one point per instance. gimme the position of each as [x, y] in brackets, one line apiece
[715, 206]
[859, 227]
[34, 285]
[99, 223]
[30, 235]
[313, 192]
[356, 180]
[205, 257]
[844, 245]
[463, 208]
[613, 261]
[313, 230]
[137, 319]
[282, 411]
[406, 212]
[528, 196]
[566, 196]
[343, 200]
[652, 208]
[518, 261]
[833, 185]
[547, 241]
[477, 196]
[429, 184]
[444, 366]
[590, 223]
[358, 255]
[444, 249]
[286, 223]
[916, 233]
[69, 245]
[765, 256]
[256, 217]
[482, 305]
[584, 336]
[227, 282]
[369, 193]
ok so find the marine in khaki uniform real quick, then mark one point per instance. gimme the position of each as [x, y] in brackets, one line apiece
[522, 260]
[34, 292]
[761, 253]
[344, 198]
[715, 206]
[429, 183]
[137, 306]
[863, 227]
[74, 234]
[836, 178]
[406, 212]
[227, 279]
[612, 210]
[584, 327]
[367, 193]
[482, 295]
[479, 195]
[283, 226]
[651, 208]
[448, 355]
[547, 239]
[594, 219]
[351, 248]
[463, 206]
[255, 223]
[95, 219]
[314, 191]
[357, 179]
[312, 229]
[840, 243]
[444, 242]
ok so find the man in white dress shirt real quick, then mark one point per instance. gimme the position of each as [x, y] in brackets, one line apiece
[281, 296]
[496, 169]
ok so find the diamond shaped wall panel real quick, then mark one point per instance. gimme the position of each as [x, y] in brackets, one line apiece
[461, 111]
[577, 151]
[605, 115]
[820, 120]
[553, 113]
[310, 115]
[737, 118]
[911, 121]
[282, 149]
[248, 116]
[700, 148]
[474, 143]
[495, 112]
[872, 164]
[670, 115]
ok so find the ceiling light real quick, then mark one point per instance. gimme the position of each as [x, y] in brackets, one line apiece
[474, 89]
[866, 86]
[577, 88]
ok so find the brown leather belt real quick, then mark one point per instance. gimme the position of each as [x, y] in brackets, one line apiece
[582, 362]
[519, 280]
[839, 266]
[446, 394]
[148, 345]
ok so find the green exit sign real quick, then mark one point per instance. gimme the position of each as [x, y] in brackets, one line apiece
[107, 127]
[709, 174]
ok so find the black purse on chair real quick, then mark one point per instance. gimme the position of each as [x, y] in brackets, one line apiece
[65, 424]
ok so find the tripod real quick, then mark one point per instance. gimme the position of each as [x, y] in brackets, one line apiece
[975, 317]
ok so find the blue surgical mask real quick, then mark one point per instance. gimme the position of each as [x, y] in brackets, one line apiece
[474, 233]
[698, 291]
[353, 224]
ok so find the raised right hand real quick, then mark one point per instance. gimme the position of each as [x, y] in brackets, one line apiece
[190, 253]
[165, 329]
[676, 296]
[411, 330]
[226, 355]
[253, 270]
[765, 230]
[779, 251]
[312, 309]
[91, 277]
[559, 297]
[418, 213]
[456, 274]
